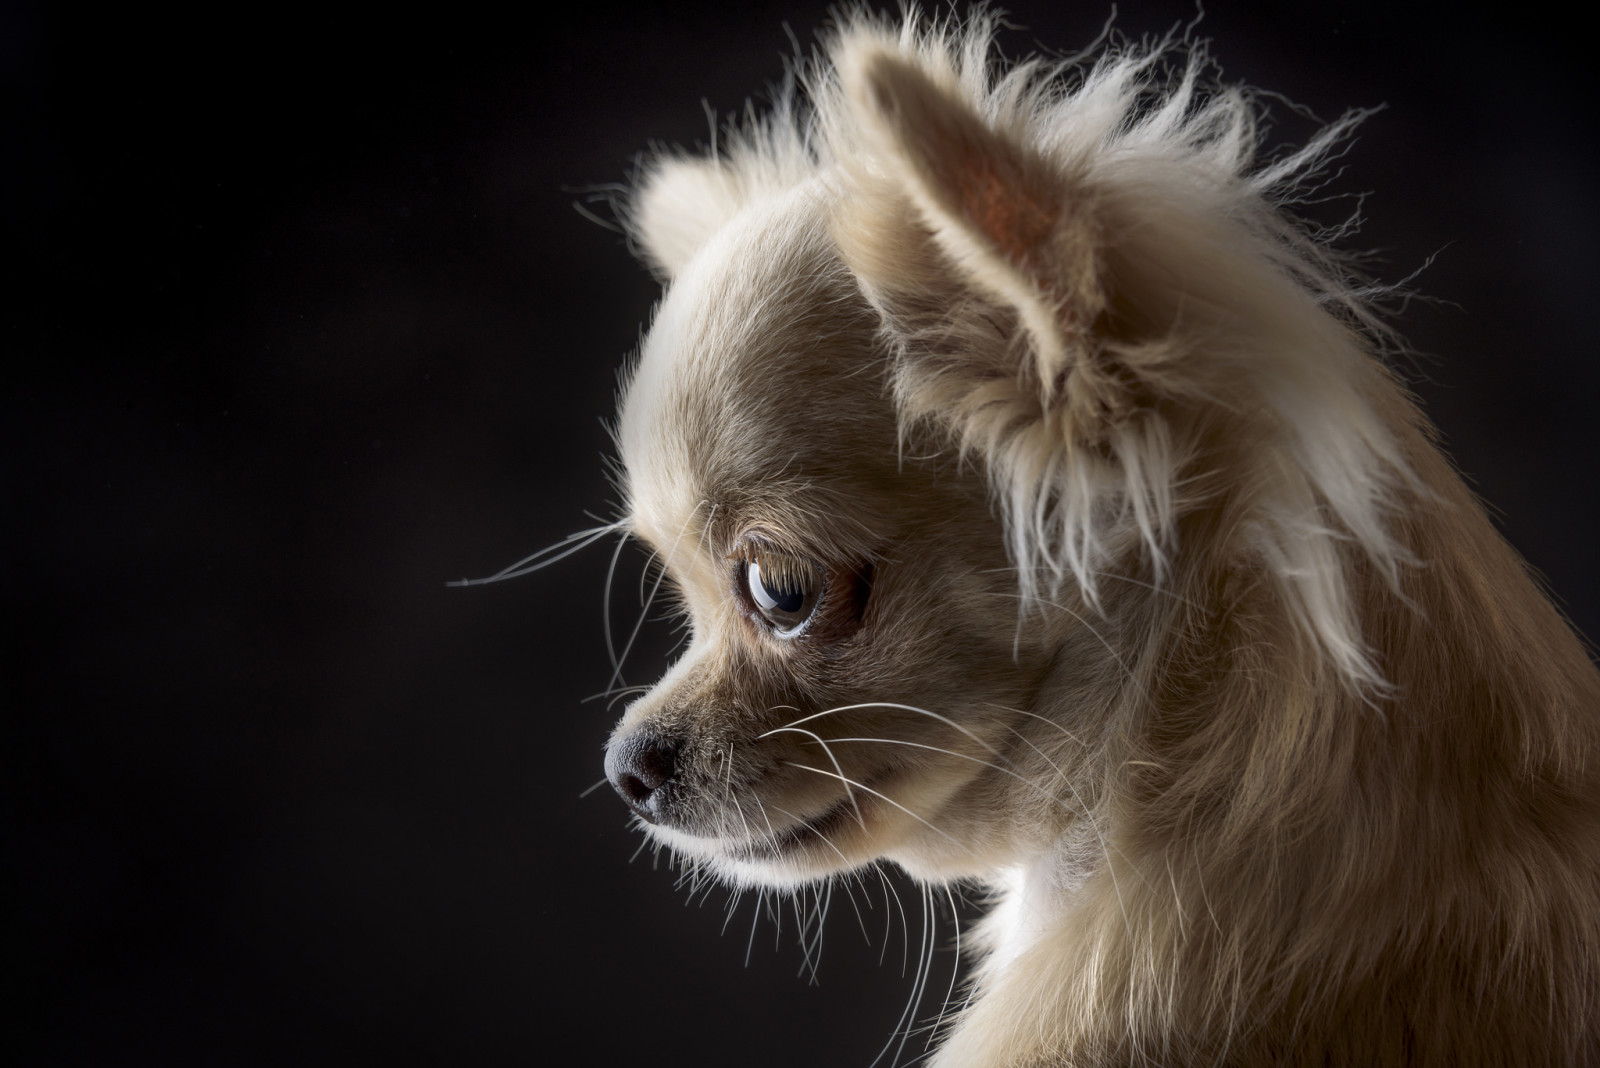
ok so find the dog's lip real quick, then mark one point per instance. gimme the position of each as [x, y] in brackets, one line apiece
[819, 828]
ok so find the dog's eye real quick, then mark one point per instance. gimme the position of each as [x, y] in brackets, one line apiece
[784, 589]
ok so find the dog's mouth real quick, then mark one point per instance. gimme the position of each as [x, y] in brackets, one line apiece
[831, 830]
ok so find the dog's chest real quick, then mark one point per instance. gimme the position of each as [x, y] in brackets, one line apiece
[1033, 900]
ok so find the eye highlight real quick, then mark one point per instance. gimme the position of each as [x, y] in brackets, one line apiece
[783, 589]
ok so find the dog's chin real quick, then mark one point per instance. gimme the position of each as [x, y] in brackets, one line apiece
[848, 834]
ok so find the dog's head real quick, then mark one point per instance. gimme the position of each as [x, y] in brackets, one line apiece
[850, 599]
[934, 387]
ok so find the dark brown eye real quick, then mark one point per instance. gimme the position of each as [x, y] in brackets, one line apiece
[784, 590]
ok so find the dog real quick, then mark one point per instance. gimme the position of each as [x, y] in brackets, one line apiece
[1046, 519]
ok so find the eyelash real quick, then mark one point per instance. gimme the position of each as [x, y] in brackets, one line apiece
[783, 592]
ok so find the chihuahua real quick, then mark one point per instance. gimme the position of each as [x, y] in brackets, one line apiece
[1046, 519]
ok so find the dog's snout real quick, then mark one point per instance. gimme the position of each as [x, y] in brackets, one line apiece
[642, 768]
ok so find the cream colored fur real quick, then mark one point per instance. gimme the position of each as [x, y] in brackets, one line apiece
[1146, 599]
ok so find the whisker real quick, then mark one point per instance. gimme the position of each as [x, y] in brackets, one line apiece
[761, 900]
[610, 696]
[736, 896]
[905, 929]
[855, 906]
[633, 635]
[644, 611]
[885, 798]
[1082, 810]
[903, 1026]
[572, 543]
[1090, 627]
[836, 766]
[893, 704]
[727, 790]
[1099, 573]
[1151, 586]
[1089, 817]
[807, 825]
[937, 749]
[955, 970]
[605, 613]
[1048, 720]
[641, 849]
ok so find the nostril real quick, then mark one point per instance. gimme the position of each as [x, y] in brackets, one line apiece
[633, 789]
[640, 766]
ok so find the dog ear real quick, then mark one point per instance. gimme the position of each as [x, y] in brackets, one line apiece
[680, 202]
[989, 262]
[1008, 223]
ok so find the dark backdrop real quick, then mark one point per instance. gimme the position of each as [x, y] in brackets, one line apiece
[301, 323]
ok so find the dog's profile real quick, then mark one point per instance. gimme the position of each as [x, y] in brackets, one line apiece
[1046, 518]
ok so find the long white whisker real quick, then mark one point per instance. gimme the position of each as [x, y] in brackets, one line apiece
[835, 761]
[641, 849]
[955, 970]
[564, 548]
[911, 1002]
[824, 904]
[776, 915]
[1090, 627]
[983, 763]
[761, 900]
[644, 611]
[855, 906]
[936, 749]
[1151, 586]
[727, 790]
[611, 696]
[605, 613]
[795, 901]
[882, 797]
[807, 825]
[1089, 817]
[1051, 722]
[919, 983]
[1083, 809]
[733, 906]
[616, 673]
[905, 929]
[904, 708]
[1100, 573]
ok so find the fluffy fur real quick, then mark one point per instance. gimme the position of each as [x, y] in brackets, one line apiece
[1107, 566]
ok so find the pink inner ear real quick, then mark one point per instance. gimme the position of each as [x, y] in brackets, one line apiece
[1005, 215]
[1018, 226]
[1016, 223]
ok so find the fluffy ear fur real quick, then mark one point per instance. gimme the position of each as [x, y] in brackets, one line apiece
[682, 199]
[680, 203]
[1084, 294]
[985, 253]
[1015, 228]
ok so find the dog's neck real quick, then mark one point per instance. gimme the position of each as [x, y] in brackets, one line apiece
[1031, 898]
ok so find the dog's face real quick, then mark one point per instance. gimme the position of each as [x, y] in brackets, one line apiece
[855, 670]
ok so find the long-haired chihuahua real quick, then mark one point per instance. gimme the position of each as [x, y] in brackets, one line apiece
[1046, 519]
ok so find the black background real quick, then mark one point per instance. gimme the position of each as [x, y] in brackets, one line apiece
[302, 323]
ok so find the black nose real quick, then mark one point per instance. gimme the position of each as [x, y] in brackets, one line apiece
[642, 768]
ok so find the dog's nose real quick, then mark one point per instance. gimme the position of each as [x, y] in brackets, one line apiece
[641, 768]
